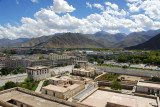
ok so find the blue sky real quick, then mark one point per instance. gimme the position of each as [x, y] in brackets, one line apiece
[34, 18]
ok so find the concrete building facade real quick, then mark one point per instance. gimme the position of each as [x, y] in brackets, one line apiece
[56, 57]
[148, 88]
[38, 72]
[63, 87]
[83, 64]
[88, 72]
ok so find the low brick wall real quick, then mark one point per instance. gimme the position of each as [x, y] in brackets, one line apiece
[124, 86]
[145, 95]
[126, 71]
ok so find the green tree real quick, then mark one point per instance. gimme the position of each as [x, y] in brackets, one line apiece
[10, 84]
[5, 70]
[41, 57]
[91, 59]
[122, 58]
[125, 66]
[19, 70]
[77, 66]
[12, 52]
[137, 61]
[46, 82]
[100, 61]
[116, 85]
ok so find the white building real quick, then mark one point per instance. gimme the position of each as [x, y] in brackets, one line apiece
[82, 64]
[148, 88]
[88, 72]
[38, 72]
[56, 57]
[64, 90]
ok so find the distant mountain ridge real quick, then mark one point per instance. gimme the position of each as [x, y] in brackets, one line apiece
[71, 40]
[107, 39]
[104, 39]
[8, 43]
[151, 44]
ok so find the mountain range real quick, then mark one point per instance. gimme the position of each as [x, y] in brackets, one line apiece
[100, 39]
[16, 42]
[151, 44]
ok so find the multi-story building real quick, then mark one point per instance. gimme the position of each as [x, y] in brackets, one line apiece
[38, 72]
[15, 63]
[63, 88]
[82, 64]
[1, 65]
[57, 57]
[88, 72]
[43, 62]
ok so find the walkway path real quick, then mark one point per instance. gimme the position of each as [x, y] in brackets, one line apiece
[39, 86]
[100, 75]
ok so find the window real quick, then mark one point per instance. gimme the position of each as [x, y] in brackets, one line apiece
[45, 91]
[21, 105]
[53, 94]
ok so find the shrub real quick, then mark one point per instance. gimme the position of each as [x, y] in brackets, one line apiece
[125, 66]
[116, 85]
[77, 66]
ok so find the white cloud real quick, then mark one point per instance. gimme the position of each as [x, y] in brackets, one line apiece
[17, 2]
[143, 20]
[88, 5]
[133, 7]
[113, 31]
[35, 1]
[99, 6]
[61, 6]
[112, 20]
[114, 6]
[132, 0]
[150, 7]
[137, 29]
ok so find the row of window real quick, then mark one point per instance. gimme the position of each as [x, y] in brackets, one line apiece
[39, 72]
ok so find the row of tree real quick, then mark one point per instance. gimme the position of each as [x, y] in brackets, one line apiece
[146, 58]
[99, 61]
[27, 84]
[7, 70]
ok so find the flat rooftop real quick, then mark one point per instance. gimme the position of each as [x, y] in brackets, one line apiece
[61, 88]
[100, 98]
[82, 61]
[71, 87]
[37, 67]
[145, 84]
[82, 70]
[30, 99]
[56, 88]
[60, 78]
